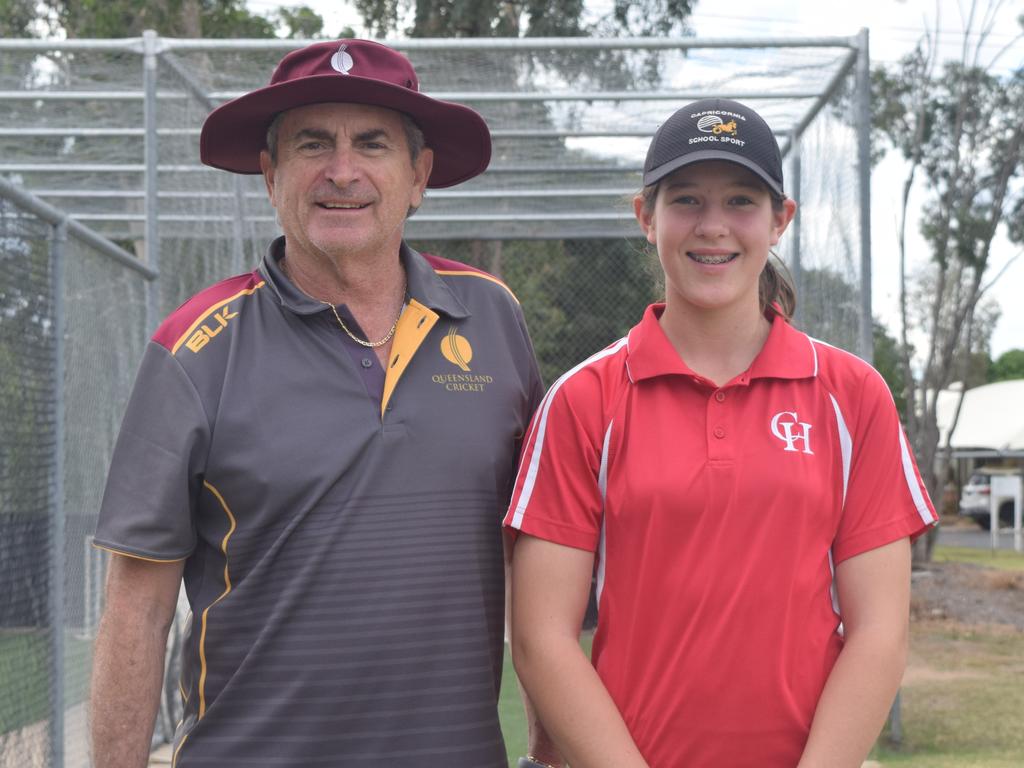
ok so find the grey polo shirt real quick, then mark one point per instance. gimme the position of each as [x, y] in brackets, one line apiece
[342, 548]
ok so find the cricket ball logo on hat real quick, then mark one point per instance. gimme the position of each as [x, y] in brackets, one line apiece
[716, 125]
[342, 60]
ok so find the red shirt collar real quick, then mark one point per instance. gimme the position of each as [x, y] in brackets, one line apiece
[787, 354]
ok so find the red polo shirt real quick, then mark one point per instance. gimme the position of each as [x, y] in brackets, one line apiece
[717, 515]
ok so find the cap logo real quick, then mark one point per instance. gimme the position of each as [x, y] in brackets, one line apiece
[714, 124]
[342, 61]
[720, 130]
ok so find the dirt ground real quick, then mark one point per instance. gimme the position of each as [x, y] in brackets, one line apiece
[968, 594]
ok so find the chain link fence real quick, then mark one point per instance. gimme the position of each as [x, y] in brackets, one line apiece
[106, 132]
[70, 339]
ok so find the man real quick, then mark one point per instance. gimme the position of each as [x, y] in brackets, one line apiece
[322, 449]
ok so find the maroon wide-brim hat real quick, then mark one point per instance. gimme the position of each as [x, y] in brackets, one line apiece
[356, 71]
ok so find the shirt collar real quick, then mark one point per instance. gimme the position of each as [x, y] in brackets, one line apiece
[424, 284]
[787, 353]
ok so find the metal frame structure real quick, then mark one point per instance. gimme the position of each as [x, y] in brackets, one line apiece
[156, 52]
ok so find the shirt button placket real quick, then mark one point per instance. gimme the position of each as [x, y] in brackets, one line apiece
[717, 426]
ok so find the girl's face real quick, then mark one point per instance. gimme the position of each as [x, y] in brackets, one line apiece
[713, 223]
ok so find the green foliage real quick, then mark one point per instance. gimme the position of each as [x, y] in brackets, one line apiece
[17, 18]
[652, 17]
[172, 18]
[887, 362]
[301, 23]
[231, 19]
[578, 296]
[1009, 365]
[828, 307]
[515, 18]
[584, 295]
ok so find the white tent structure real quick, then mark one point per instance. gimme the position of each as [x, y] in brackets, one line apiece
[991, 421]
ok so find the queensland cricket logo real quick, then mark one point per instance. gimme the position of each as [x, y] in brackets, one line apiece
[456, 349]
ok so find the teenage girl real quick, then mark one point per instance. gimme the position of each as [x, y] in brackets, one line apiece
[745, 493]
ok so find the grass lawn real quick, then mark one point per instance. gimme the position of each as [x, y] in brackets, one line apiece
[963, 696]
[25, 676]
[1002, 559]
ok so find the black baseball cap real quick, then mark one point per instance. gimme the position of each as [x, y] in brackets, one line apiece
[715, 129]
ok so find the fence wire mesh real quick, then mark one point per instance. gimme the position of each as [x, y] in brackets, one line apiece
[552, 217]
[51, 576]
[27, 472]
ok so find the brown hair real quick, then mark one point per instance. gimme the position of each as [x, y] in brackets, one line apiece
[775, 290]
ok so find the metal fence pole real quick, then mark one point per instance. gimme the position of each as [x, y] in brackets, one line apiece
[796, 267]
[58, 243]
[238, 218]
[864, 172]
[896, 720]
[150, 47]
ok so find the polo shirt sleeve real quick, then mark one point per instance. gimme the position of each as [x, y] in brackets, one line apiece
[885, 497]
[156, 470]
[556, 495]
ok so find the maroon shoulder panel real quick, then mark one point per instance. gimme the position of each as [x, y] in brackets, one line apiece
[456, 266]
[209, 300]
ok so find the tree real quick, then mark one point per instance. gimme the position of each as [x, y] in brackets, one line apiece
[515, 18]
[172, 18]
[887, 361]
[301, 23]
[960, 129]
[1009, 365]
[17, 18]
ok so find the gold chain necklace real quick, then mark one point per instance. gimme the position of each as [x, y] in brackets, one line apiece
[356, 339]
[371, 344]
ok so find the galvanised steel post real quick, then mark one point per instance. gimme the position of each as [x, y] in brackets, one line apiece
[238, 218]
[794, 190]
[150, 48]
[56, 619]
[864, 173]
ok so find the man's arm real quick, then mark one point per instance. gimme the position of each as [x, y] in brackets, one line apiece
[874, 599]
[128, 660]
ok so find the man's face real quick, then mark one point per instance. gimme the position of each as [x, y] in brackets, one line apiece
[343, 181]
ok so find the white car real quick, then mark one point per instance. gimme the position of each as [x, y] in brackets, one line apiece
[976, 495]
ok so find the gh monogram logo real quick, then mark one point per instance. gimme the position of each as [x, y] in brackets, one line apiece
[786, 426]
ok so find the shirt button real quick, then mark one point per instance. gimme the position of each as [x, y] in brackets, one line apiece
[720, 396]
[367, 362]
[719, 433]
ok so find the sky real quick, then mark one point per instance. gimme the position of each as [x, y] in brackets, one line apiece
[894, 27]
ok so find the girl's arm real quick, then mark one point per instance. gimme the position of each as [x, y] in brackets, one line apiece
[550, 587]
[874, 600]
